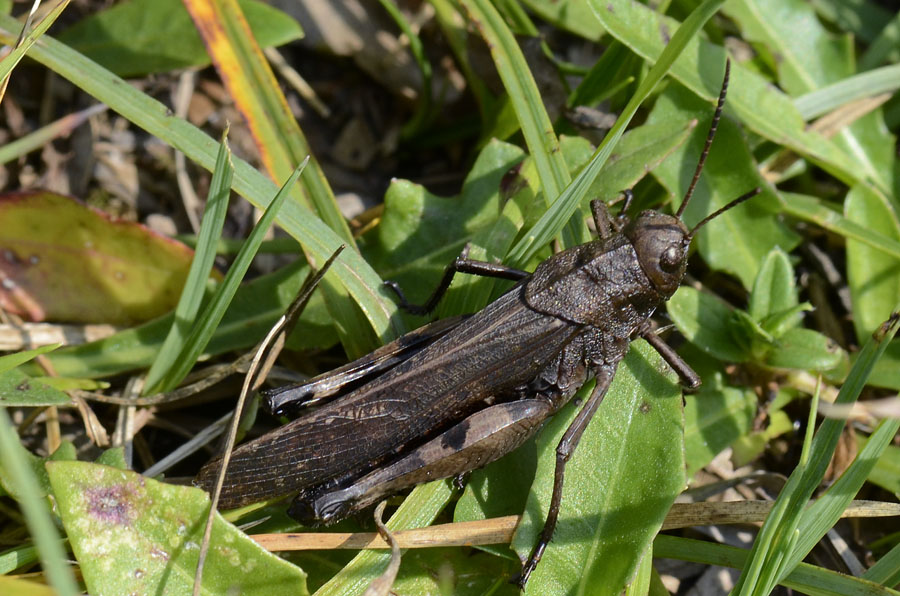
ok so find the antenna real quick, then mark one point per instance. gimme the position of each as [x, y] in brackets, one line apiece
[718, 212]
[709, 139]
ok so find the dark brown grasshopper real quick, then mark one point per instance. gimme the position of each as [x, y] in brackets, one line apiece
[456, 395]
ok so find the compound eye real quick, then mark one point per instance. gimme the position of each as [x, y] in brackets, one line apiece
[670, 259]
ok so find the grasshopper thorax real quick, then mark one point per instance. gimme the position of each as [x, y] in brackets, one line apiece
[661, 242]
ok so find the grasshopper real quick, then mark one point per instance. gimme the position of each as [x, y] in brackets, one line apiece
[460, 393]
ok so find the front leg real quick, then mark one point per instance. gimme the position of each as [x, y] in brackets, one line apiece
[689, 378]
[461, 264]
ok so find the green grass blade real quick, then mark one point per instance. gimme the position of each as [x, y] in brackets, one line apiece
[537, 129]
[10, 61]
[887, 569]
[456, 35]
[158, 380]
[318, 241]
[205, 326]
[14, 558]
[10, 361]
[46, 134]
[574, 16]
[764, 109]
[562, 209]
[250, 81]
[423, 107]
[814, 210]
[34, 506]
[808, 62]
[806, 578]
[419, 510]
[776, 534]
[826, 511]
[282, 144]
[865, 84]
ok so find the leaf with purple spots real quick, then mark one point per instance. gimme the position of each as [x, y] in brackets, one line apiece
[135, 535]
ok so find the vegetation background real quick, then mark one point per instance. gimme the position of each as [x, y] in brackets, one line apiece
[432, 124]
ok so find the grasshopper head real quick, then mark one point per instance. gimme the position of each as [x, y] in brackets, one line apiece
[661, 242]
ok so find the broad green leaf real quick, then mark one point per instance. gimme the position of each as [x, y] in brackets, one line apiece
[805, 349]
[454, 571]
[150, 36]
[746, 326]
[128, 530]
[421, 233]
[65, 452]
[886, 472]
[778, 323]
[873, 276]
[715, 416]
[122, 272]
[774, 289]
[114, 457]
[739, 240]
[19, 390]
[641, 150]
[804, 62]
[707, 323]
[632, 449]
